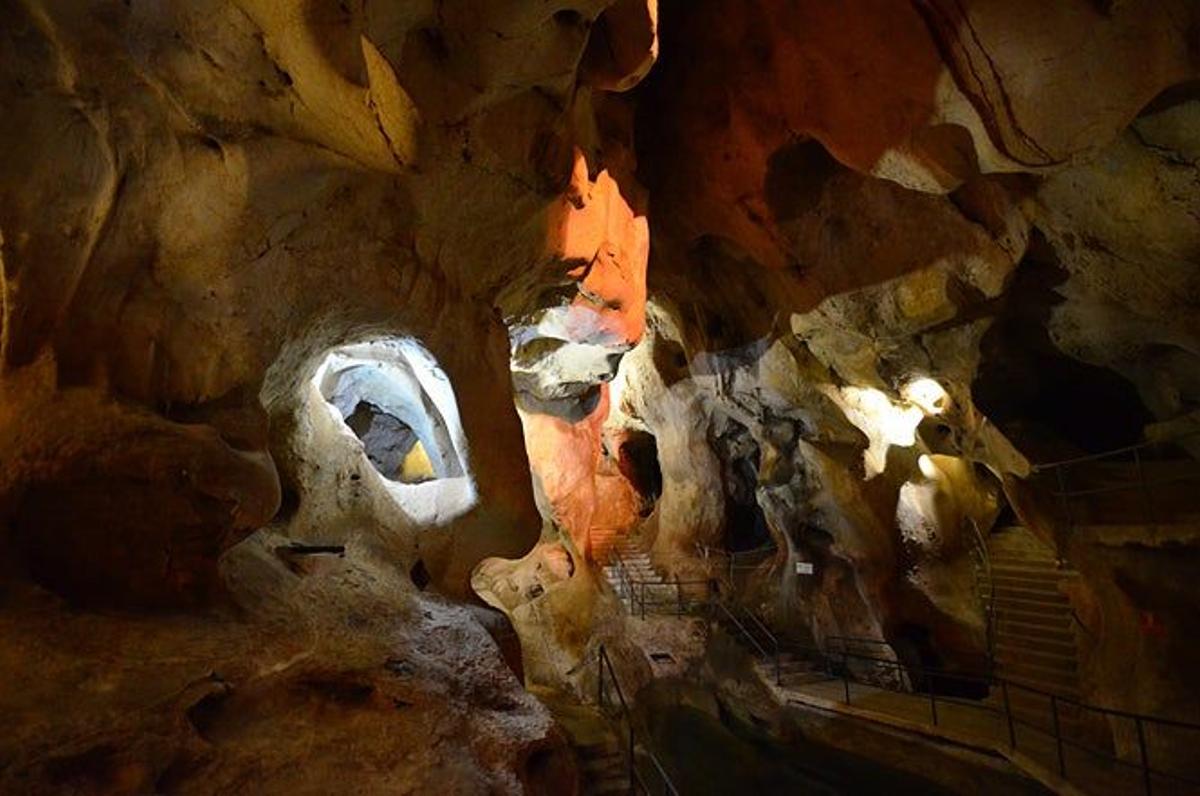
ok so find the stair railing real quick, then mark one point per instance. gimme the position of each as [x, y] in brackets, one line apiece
[627, 584]
[724, 609]
[636, 783]
[989, 600]
[773, 640]
[1142, 483]
[640, 598]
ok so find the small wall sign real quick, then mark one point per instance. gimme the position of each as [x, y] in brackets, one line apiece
[804, 568]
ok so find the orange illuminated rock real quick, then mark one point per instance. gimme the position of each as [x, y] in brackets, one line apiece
[616, 243]
[623, 45]
[597, 248]
[581, 485]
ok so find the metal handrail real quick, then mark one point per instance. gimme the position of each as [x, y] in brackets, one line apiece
[774, 641]
[637, 590]
[721, 604]
[626, 581]
[635, 776]
[989, 609]
[931, 676]
[1107, 490]
[678, 601]
[709, 553]
[1110, 454]
[759, 623]
[1067, 497]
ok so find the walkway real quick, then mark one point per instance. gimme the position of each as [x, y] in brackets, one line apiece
[971, 723]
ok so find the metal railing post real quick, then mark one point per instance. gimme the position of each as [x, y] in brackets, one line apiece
[932, 698]
[1065, 499]
[1058, 742]
[1141, 472]
[632, 772]
[679, 595]
[1012, 729]
[846, 676]
[600, 679]
[1141, 735]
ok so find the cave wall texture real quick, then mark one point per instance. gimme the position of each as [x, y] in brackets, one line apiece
[746, 229]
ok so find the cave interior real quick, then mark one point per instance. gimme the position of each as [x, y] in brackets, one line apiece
[600, 396]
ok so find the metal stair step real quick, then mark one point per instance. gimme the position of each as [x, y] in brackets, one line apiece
[1002, 551]
[1026, 580]
[1036, 563]
[1016, 583]
[1038, 677]
[1031, 569]
[1049, 659]
[1032, 614]
[1019, 698]
[1033, 637]
[1006, 593]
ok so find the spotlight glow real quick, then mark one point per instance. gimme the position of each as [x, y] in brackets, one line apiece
[927, 394]
[884, 423]
[928, 468]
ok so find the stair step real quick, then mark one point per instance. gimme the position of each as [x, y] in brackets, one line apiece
[1036, 563]
[1020, 699]
[1036, 573]
[1038, 600]
[1059, 644]
[1019, 583]
[1034, 614]
[1006, 654]
[1000, 547]
[1035, 637]
[1038, 677]
[1034, 567]
[1005, 552]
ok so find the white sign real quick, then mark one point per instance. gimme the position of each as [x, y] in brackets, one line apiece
[804, 568]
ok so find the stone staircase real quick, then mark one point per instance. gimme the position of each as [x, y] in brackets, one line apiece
[603, 543]
[660, 595]
[1033, 630]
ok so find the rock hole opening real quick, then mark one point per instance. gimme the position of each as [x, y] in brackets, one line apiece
[397, 404]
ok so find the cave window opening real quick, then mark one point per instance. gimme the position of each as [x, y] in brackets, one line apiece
[396, 401]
